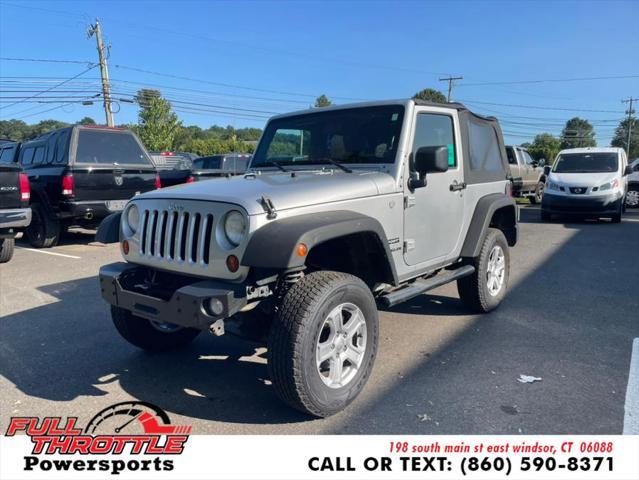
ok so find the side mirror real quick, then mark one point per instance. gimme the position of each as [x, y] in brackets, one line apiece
[547, 170]
[427, 160]
[627, 170]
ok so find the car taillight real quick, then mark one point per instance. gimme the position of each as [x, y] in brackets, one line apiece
[25, 188]
[509, 189]
[67, 186]
[158, 182]
[190, 179]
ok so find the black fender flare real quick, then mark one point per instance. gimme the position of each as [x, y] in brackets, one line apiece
[274, 245]
[482, 216]
[39, 195]
[109, 229]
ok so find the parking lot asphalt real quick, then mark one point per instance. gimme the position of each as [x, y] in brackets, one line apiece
[569, 318]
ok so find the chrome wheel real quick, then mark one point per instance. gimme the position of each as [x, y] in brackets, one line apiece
[496, 271]
[341, 345]
[165, 327]
[632, 198]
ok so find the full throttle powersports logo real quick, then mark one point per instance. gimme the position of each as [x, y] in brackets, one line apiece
[135, 428]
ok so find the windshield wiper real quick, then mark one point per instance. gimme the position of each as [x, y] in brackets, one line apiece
[338, 164]
[273, 162]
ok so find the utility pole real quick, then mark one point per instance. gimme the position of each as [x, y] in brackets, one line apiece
[450, 81]
[104, 71]
[630, 112]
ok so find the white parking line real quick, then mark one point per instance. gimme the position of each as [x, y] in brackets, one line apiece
[631, 417]
[50, 253]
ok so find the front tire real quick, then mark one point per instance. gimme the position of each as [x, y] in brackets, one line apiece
[6, 249]
[149, 336]
[539, 194]
[323, 342]
[43, 231]
[632, 196]
[484, 290]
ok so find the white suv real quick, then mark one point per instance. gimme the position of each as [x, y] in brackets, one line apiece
[586, 181]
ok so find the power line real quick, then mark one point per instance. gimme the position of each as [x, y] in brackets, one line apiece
[45, 60]
[541, 108]
[450, 80]
[51, 88]
[551, 80]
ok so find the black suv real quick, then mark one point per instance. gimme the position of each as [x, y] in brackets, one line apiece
[81, 174]
[15, 213]
[220, 165]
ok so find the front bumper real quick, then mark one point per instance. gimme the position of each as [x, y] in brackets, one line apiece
[186, 305]
[15, 218]
[582, 204]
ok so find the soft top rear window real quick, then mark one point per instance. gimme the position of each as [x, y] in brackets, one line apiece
[207, 162]
[100, 147]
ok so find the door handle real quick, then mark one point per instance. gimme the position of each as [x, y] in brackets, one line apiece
[455, 186]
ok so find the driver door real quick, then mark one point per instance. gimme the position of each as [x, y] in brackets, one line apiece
[433, 214]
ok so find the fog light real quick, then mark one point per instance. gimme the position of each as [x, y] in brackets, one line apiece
[125, 247]
[215, 306]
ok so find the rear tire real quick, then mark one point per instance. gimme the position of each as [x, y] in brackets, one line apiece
[323, 342]
[143, 334]
[484, 290]
[6, 249]
[43, 231]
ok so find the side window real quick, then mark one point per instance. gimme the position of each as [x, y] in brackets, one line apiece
[7, 154]
[433, 130]
[636, 168]
[527, 158]
[26, 156]
[51, 144]
[484, 148]
[510, 152]
[62, 146]
[38, 156]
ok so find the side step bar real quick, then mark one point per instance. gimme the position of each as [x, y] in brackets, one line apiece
[417, 288]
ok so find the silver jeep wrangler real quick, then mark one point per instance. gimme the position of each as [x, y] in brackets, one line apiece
[342, 208]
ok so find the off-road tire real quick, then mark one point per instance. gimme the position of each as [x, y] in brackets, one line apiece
[539, 194]
[473, 289]
[295, 331]
[43, 231]
[6, 249]
[139, 332]
[545, 216]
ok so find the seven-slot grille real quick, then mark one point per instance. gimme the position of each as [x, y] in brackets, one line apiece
[180, 236]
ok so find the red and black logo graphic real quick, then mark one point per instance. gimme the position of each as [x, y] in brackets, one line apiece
[134, 427]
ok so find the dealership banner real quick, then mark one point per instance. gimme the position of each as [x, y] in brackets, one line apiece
[138, 440]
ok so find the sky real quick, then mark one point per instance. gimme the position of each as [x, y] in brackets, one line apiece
[237, 63]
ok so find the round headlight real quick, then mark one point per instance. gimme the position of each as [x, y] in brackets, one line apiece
[234, 227]
[132, 218]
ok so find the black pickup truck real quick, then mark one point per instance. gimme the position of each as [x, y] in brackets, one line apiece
[174, 168]
[15, 213]
[81, 174]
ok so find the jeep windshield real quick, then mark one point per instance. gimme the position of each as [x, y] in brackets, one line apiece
[595, 162]
[364, 135]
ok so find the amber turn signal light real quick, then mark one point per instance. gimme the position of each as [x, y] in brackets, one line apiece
[232, 263]
[125, 247]
[301, 250]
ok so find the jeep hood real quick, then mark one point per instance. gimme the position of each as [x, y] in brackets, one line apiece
[285, 191]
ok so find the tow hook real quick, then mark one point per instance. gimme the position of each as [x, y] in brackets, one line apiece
[217, 328]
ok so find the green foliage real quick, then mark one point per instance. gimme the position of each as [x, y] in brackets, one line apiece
[19, 131]
[211, 146]
[145, 95]
[158, 125]
[430, 95]
[620, 139]
[545, 146]
[578, 133]
[322, 101]
[87, 121]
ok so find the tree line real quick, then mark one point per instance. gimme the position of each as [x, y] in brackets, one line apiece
[160, 129]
